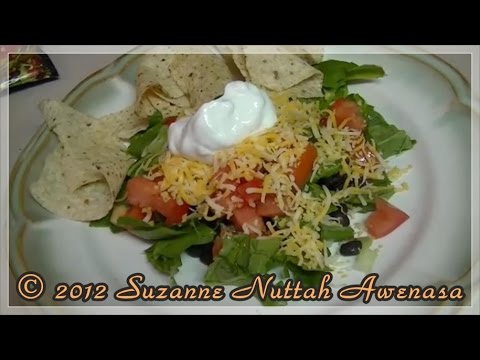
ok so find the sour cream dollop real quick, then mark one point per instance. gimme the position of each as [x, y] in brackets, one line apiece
[242, 111]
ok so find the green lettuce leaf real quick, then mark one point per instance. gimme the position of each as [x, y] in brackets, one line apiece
[241, 258]
[105, 222]
[337, 74]
[165, 254]
[388, 139]
[307, 277]
[139, 141]
[327, 170]
[269, 302]
[148, 145]
[385, 192]
[336, 77]
[161, 232]
[336, 232]
[164, 264]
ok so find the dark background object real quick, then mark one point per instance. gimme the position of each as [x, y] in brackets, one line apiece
[26, 70]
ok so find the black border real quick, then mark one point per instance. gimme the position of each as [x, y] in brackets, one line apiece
[199, 23]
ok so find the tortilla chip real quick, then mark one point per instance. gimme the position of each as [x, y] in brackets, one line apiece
[123, 124]
[309, 88]
[150, 103]
[157, 89]
[233, 67]
[65, 121]
[241, 62]
[153, 71]
[312, 58]
[90, 161]
[312, 54]
[181, 102]
[278, 72]
[90, 202]
[201, 77]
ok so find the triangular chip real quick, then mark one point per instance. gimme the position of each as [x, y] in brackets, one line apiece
[241, 62]
[89, 161]
[123, 124]
[312, 58]
[309, 88]
[157, 89]
[90, 202]
[151, 103]
[278, 72]
[153, 71]
[201, 77]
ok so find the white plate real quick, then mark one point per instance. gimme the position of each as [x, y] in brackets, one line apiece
[419, 94]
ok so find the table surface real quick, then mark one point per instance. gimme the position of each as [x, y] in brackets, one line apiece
[25, 118]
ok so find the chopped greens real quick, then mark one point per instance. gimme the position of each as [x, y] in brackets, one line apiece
[105, 222]
[148, 145]
[336, 232]
[161, 232]
[307, 277]
[241, 258]
[337, 74]
[269, 302]
[327, 170]
[165, 253]
[142, 139]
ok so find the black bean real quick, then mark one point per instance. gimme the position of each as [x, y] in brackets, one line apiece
[206, 256]
[351, 248]
[195, 251]
[334, 182]
[204, 252]
[341, 217]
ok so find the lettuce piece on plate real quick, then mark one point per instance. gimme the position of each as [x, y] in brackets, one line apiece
[388, 139]
[241, 258]
[148, 145]
[165, 254]
[337, 74]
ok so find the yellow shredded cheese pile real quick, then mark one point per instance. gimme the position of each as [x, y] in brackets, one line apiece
[182, 179]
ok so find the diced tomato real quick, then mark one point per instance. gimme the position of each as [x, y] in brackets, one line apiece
[143, 193]
[242, 190]
[135, 212]
[170, 120]
[247, 215]
[217, 246]
[170, 209]
[348, 109]
[269, 208]
[384, 219]
[303, 171]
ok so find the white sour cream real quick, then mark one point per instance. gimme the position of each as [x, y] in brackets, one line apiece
[242, 111]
